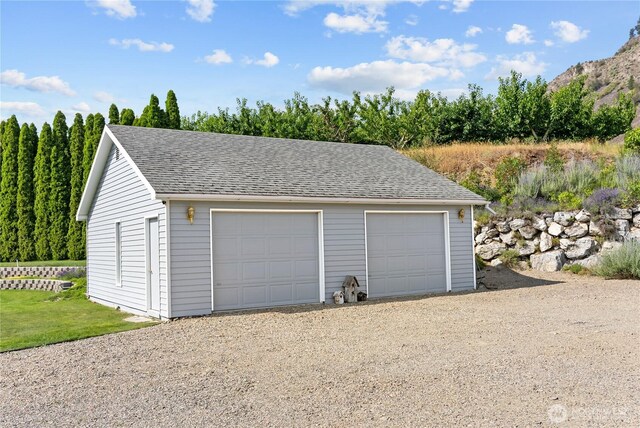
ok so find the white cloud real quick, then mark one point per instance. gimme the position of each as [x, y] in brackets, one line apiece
[103, 97]
[18, 79]
[568, 31]
[219, 56]
[7, 108]
[412, 20]
[81, 107]
[355, 23]
[548, 43]
[519, 34]
[269, 60]
[142, 46]
[360, 16]
[473, 31]
[442, 51]
[461, 5]
[376, 76]
[525, 63]
[121, 9]
[200, 10]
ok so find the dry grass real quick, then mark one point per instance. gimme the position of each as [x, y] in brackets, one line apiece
[458, 160]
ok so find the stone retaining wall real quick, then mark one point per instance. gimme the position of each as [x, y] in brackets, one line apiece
[34, 284]
[549, 241]
[43, 272]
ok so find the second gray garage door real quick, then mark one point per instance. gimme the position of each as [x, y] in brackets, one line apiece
[406, 254]
[264, 259]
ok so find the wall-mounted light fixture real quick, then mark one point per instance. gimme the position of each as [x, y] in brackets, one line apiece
[461, 215]
[191, 213]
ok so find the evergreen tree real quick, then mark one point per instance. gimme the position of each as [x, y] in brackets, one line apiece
[26, 216]
[42, 178]
[114, 115]
[153, 116]
[2, 125]
[172, 111]
[98, 127]
[59, 191]
[127, 116]
[75, 245]
[9, 191]
[87, 150]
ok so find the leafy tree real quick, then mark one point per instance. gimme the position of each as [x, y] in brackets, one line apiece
[114, 115]
[610, 121]
[9, 190]
[339, 123]
[571, 111]
[75, 245]
[25, 202]
[127, 116]
[153, 116]
[42, 184]
[173, 112]
[536, 109]
[59, 190]
[509, 114]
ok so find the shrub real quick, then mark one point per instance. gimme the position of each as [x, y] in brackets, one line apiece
[569, 201]
[622, 263]
[72, 273]
[632, 141]
[507, 173]
[602, 201]
[554, 160]
[475, 183]
[509, 258]
[631, 197]
[480, 264]
[575, 269]
[482, 216]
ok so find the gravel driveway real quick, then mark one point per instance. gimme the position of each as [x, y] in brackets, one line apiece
[571, 345]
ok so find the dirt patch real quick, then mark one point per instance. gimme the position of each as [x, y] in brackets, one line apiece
[536, 351]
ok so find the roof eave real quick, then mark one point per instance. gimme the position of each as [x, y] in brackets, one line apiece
[309, 199]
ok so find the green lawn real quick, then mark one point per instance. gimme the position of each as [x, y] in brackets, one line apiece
[31, 318]
[52, 263]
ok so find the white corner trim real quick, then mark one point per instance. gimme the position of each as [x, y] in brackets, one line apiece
[167, 213]
[321, 272]
[473, 253]
[447, 243]
[97, 168]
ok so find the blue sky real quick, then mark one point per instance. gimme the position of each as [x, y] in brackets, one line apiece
[79, 56]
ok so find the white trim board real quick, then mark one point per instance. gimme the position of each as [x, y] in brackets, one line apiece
[447, 240]
[147, 250]
[320, 219]
[309, 199]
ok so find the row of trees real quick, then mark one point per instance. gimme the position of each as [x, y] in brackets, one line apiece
[522, 109]
[42, 177]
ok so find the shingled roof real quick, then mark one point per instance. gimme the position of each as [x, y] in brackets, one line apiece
[204, 163]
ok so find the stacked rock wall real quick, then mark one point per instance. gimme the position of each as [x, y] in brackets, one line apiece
[549, 241]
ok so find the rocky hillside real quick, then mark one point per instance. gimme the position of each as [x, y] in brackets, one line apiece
[608, 77]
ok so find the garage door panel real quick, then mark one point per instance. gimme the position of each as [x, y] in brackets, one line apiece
[264, 259]
[254, 271]
[405, 253]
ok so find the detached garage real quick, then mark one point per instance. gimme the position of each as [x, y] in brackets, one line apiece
[186, 223]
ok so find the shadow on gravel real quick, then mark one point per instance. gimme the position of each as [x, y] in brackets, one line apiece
[507, 279]
[495, 280]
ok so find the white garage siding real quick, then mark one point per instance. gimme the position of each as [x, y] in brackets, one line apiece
[344, 247]
[122, 196]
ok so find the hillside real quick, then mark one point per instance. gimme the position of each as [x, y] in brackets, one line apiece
[608, 77]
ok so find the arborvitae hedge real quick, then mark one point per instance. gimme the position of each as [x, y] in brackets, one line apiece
[75, 247]
[59, 191]
[26, 196]
[9, 191]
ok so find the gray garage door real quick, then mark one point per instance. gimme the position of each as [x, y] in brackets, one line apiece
[406, 254]
[264, 259]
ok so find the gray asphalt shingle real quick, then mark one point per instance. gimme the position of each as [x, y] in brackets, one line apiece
[186, 162]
